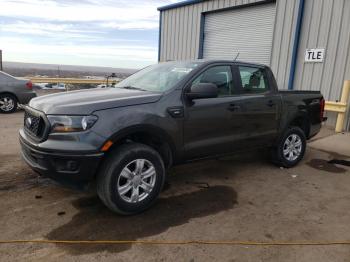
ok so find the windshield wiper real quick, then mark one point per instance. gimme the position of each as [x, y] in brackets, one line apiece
[132, 87]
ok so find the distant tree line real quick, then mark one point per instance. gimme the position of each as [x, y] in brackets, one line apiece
[31, 72]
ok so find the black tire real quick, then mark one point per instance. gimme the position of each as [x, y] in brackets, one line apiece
[8, 97]
[109, 176]
[278, 156]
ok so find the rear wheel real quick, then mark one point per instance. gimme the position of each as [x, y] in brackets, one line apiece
[131, 178]
[291, 148]
[8, 103]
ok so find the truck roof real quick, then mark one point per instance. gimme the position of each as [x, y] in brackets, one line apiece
[211, 61]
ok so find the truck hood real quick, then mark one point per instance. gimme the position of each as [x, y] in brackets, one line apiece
[84, 102]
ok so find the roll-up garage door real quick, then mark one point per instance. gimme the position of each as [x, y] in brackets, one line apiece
[247, 30]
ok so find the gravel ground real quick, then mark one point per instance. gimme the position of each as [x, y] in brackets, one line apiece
[238, 198]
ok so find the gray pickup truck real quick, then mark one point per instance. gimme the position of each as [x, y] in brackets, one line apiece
[125, 138]
[14, 91]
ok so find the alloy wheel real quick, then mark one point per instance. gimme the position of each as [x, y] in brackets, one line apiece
[136, 180]
[292, 147]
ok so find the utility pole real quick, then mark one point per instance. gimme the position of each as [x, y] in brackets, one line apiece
[0, 60]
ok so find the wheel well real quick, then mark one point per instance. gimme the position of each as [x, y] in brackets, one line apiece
[9, 93]
[303, 123]
[155, 141]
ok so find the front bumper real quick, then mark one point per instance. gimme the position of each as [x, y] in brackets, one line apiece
[68, 168]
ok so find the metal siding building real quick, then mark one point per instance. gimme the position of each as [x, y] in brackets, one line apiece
[188, 30]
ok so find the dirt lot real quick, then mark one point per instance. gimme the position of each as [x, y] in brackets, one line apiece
[240, 198]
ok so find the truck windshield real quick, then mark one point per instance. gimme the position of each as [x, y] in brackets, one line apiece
[158, 78]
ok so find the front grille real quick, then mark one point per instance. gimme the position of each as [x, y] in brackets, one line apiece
[34, 123]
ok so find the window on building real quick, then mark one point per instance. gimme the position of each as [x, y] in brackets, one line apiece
[253, 79]
[221, 76]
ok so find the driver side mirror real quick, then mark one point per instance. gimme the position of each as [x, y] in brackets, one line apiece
[203, 90]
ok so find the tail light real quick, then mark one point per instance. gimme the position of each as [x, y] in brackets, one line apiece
[29, 85]
[322, 104]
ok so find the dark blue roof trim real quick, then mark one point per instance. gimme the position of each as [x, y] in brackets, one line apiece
[180, 4]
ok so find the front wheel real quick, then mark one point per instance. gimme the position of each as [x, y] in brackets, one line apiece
[291, 147]
[131, 178]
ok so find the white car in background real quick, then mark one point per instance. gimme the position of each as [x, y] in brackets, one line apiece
[59, 86]
[105, 86]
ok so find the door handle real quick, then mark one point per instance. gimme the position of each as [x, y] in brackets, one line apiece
[176, 112]
[233, 107]
[270, 103]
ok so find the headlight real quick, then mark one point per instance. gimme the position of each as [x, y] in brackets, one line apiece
[61, 124]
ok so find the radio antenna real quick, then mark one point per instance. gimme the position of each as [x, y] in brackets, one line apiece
[236, 57]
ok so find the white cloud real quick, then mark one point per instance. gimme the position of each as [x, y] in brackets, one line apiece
[125, 14]
[131, 25]
[136, 52]
[80, 31]
[48, 30]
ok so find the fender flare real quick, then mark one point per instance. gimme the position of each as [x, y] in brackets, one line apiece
[151, 130]
[304, 116]
[9, 93]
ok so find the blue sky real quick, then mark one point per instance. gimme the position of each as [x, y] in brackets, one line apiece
[117, 33]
